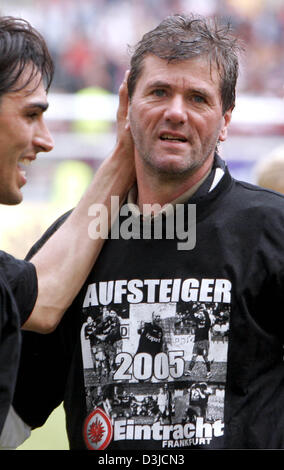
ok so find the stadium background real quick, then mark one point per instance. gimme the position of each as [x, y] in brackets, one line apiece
[89, 43]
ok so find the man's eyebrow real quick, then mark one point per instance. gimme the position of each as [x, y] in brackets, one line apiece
[42, 106]
[161, 84]
[201, 91]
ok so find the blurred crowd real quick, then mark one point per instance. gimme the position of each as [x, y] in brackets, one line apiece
[88, 38]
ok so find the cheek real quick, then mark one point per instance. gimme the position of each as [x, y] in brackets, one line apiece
[144, 116]
[21, 133]
[209, 128]
[136, 122]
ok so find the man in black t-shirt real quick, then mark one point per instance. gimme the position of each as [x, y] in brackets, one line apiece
[22, 96]
[151, 339]
[202, 325]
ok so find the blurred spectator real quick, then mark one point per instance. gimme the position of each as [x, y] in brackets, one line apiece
[270, 171]
[88, 39]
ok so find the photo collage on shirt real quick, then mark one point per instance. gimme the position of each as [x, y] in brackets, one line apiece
[157, 363]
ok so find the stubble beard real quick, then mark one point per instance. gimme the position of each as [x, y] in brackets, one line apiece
[174, 172]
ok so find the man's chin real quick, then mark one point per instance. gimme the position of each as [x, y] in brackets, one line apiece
[174, 170]
[11, 198]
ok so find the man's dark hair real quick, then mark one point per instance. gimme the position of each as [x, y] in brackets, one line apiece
[181, 37]
[20, 46]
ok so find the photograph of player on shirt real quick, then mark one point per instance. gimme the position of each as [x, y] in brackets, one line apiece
[151, 336]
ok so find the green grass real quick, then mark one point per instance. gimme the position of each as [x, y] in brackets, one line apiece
[51, 436]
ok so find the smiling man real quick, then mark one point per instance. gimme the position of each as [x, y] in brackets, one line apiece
[220, 302]
[23, 134]
[30, 296]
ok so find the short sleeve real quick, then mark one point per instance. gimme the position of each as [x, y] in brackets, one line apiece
[21, 278]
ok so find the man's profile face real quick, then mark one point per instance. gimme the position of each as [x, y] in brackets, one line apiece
[176, 115]
[23, 133]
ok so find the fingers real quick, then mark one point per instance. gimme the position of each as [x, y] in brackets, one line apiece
[123, 97]
[123, 91]
[124, 83]
[123, 134]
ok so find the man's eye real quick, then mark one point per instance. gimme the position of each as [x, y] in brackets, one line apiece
[32, 115]
[159, 92]
[198, 99]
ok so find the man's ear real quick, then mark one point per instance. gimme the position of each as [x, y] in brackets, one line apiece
[226, 121]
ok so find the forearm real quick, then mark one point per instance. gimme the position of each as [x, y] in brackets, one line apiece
[66, 259]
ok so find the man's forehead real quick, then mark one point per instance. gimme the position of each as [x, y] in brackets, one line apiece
[33, 93]
[31, 85]
[200, 67]
[29, 80]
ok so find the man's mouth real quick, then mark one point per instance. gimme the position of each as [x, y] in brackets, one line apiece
[23, 163]
[173, 137]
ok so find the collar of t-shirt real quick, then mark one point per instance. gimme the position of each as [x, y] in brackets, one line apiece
[210, 180]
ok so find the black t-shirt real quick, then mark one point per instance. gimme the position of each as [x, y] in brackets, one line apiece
[18, 292]
[235, 272]
[151, 339]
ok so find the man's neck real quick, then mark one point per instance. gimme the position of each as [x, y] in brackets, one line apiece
[159, 190]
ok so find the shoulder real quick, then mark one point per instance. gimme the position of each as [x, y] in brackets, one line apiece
[12, 269]
[255, 215]
[18, 281]
[254, 192]
[256, 201]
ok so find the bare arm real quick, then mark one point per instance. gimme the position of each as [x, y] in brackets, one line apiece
[64, 262]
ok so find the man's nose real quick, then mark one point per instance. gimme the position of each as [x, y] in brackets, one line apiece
[176, 110]
[43, 140]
